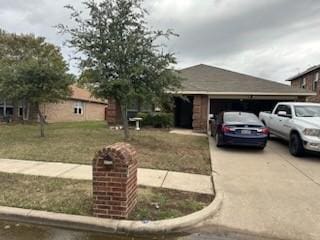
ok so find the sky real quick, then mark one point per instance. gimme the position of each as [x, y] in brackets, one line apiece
[272, 39]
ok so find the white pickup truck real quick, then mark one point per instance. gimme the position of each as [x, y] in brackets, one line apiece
[297, 123]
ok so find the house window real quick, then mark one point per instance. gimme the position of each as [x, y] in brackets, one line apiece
[315, 82]
[136, 106]
[304, 83]
[78, 108]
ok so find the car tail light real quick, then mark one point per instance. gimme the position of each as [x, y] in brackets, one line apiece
[265, 131]
[226, 129]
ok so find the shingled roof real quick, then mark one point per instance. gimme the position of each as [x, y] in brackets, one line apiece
[84, 95]
[309, 70]
[204, 79]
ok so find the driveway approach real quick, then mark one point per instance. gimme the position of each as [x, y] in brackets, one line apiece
[267, 193]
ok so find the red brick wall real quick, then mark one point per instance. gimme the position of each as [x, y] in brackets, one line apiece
[115, 186]
[64, 111]
[200, 113]
[113, 112]
[310, 77]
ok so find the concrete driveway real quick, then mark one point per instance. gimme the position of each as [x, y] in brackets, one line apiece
[267, 193]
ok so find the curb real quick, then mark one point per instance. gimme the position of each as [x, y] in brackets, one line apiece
[99, 225]
[92, 224]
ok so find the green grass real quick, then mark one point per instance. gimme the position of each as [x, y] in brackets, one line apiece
[49, 194]
[78, 142]
[74, 197]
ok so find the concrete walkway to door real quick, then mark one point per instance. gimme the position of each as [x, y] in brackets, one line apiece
[267, 193]
[146, 177]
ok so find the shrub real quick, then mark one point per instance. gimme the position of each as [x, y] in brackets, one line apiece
[157, 120]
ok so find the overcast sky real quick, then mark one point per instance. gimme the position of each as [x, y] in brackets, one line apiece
[272, 39]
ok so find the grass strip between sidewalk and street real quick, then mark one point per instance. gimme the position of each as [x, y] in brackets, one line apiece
[75, 197]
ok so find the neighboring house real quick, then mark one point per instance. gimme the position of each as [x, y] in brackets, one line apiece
[80, 106]
[308, 80]
[210, 90]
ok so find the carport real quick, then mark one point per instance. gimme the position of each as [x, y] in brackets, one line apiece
[210, 90]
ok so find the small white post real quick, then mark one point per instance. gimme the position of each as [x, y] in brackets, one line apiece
[137, 125]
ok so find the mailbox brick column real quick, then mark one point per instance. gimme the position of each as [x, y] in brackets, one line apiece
[115, 181]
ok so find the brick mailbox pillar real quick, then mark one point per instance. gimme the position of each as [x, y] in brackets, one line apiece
[115, 181]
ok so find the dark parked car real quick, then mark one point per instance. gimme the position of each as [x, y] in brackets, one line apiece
[239, 128]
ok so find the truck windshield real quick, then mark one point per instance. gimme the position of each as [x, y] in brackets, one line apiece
[307, 111]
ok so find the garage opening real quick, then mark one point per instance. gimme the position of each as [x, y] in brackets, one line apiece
[183, 112]
[253, 106]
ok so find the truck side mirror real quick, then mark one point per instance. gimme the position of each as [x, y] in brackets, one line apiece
[284, 114]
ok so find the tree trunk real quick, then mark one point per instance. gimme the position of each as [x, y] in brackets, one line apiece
[15, 111]
[125, 121]
[42, 121]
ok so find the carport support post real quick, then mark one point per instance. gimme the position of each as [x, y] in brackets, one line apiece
[200, 113]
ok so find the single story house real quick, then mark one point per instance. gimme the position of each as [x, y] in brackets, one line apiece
[80, 106]
[309, 80]
[209, 90]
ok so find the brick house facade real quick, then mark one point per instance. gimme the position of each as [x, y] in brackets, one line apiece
[73, 111]
[209, 90]
[200, 113]
[308, 80]
[80, 106]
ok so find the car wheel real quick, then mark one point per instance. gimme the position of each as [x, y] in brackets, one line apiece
[295, 145]
[218, 140]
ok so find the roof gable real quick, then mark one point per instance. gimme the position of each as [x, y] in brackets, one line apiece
[309, 70]
[204, 78]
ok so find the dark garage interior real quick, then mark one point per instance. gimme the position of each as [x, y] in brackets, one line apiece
[253, 106]
[183, 112]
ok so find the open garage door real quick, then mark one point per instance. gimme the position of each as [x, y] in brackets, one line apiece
[253, 106]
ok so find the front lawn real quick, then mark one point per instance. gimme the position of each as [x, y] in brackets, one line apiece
[78, 142]
[75, 197]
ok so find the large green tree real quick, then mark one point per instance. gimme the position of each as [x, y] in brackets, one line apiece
[120, 56]
[32, 70]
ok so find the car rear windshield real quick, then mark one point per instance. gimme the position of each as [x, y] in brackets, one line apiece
[307, 111]
[241, 117]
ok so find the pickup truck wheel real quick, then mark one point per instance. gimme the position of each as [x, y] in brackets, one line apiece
[218, 140]
[295, 145]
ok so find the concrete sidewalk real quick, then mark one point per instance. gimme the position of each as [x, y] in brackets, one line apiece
[146, 177]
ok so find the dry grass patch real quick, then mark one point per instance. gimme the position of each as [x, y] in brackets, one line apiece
[74, 197]
[78, 142]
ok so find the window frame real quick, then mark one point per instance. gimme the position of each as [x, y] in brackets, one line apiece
[78, 108]
[304, 82]
[284, 108]
[315, 82]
